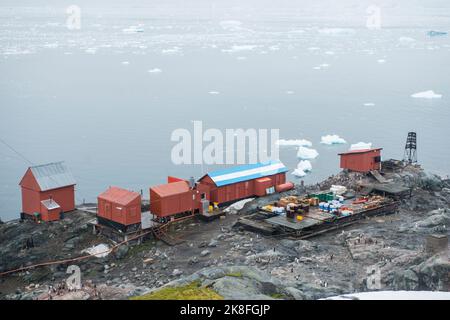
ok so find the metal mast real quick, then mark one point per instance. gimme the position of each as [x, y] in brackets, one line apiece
[411, 148]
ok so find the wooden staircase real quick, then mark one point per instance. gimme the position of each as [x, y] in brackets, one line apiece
[161, 234]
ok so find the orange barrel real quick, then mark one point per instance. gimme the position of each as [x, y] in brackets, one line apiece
[284, 187]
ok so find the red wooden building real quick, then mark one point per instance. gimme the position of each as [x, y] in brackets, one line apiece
[180, 196]
[47, 191]
[361, 160]
[119, 208]
[171, 198]
[231, 184]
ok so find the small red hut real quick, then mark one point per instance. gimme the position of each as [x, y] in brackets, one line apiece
[47, 191]
[119, 208]
[364, 160]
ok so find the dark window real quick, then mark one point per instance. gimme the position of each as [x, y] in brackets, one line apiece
[377, 159]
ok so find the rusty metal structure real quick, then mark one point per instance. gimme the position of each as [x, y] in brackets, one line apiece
[410, 155]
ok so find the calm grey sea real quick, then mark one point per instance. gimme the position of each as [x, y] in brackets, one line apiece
[106, 98]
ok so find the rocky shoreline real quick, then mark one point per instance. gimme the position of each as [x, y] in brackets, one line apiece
[238, 264]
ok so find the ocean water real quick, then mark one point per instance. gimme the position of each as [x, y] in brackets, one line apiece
[307, 68]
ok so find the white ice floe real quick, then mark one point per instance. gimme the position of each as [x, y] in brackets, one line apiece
[214, 92]
[307, 153]
[289, 92]
[313, 48]
[133, 29]
[238, 205]
[231, 25]
[406, 40]
[155, 70]
[241, 58]
[380, 61]
[394, 295]
[91, 50]
[337, 31]
[303, 167]
[361, 146]
[332, 139]
[100, 251]
[330, 53]
[294, 142]
[125, 63]
[173, 50]
[369, 104]
[240, 48]
[430, 94]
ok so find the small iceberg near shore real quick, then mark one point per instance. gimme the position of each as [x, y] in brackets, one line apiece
[307, 153]
[303, 167]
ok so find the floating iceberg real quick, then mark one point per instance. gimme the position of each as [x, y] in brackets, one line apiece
[231, 25]
[239, 48]
[155, 70]
[91, 50]
[173, 50]
[332, 139]
[337, 31]
[436, 33]
[303, 167]
[406, 40]
[381, 61]
[214, 92]
[133, 29]
[361, 146]
[125, 63]
[369, 104]
[306, 153]
[430, 94]
[294, 142]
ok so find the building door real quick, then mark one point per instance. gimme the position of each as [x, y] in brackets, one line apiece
[108, 210]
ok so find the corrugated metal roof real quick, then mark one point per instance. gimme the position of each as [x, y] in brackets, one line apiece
[246, 172]
[360, 151]
[53, 175]
[119, 195]
[50, 204]
[169, 189]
